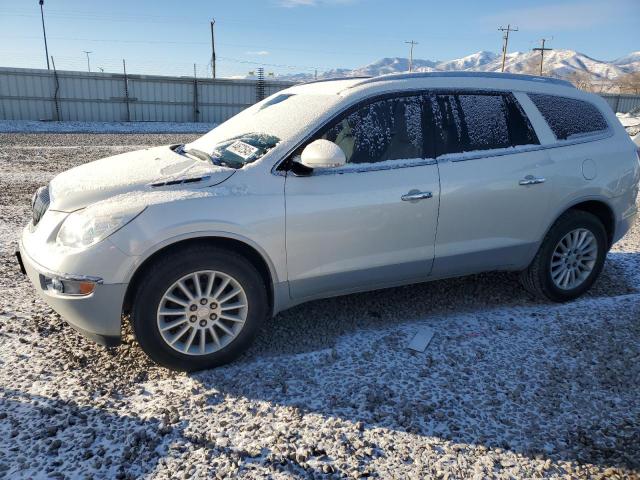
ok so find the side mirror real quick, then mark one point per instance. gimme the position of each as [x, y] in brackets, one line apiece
[323, 154]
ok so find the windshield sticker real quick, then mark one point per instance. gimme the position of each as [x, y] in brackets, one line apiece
[243, 150]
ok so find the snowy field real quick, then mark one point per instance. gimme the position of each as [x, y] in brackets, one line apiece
[510, 387]
[631, 122]
[34, 126]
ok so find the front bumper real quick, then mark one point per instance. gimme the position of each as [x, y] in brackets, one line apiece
[97, 316]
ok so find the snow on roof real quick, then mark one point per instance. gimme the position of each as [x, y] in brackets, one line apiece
[324, 87]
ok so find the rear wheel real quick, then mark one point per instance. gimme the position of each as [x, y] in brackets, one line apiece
[198, 308]
[570, 258]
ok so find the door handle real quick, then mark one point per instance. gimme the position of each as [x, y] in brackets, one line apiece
[416, 195]
[531, 180]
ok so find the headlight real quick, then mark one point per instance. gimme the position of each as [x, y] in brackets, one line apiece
[87, 227]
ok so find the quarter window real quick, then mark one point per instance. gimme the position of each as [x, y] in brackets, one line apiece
[389, 129]
[569, 117]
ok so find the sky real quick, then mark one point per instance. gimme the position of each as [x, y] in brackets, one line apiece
[293, 36]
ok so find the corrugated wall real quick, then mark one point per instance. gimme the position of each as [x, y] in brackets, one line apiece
[622, 103]
[29, 94]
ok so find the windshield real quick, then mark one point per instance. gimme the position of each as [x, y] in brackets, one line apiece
[250, 134]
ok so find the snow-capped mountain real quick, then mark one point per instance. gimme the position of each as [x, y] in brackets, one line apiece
[559, 63]
[629, 63]
[470, 62]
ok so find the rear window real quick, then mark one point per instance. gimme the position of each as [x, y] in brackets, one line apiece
[569, 117]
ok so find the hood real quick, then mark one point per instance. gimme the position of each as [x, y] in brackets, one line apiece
[152, 169]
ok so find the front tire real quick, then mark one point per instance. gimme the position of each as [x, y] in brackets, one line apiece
[199, 307]
[570, 258]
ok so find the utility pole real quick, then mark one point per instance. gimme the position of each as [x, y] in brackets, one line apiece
[213, 51]
[505, 42]
[88, 63]
[541, 49]
[44, 33]
[412, 43]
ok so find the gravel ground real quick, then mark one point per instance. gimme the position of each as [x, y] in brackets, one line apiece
[510, 387]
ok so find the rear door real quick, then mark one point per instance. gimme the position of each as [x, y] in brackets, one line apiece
[496, 183]
[373, 222]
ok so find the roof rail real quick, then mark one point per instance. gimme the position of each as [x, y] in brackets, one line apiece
[334, 79]
[508, 76]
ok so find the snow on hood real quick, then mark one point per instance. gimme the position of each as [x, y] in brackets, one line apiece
[129, 172]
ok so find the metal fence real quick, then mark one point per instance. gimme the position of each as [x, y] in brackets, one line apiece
[621, 103]
[30, 94]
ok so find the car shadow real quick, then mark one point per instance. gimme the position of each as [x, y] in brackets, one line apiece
[55, 438]
[540, 390]
[44, 437]
[330, 318]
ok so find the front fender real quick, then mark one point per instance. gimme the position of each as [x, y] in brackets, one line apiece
[256, 220]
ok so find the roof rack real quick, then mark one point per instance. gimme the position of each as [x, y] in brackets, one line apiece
[508, 76]
[362, 77]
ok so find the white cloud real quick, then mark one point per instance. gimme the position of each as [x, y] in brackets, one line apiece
[260, 53]
[312, 3]
[297, 3]
[571, 15]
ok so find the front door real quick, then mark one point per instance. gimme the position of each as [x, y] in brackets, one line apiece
[373, 222]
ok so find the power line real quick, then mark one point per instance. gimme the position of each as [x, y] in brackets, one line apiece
[505, 42]
[412, 43]
[541, 49]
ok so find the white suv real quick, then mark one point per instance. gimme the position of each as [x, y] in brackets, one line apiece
[329, 188]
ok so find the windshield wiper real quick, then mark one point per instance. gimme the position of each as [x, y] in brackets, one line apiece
[198, 154]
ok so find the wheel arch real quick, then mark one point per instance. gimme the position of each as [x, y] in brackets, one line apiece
[259, 260]
[597, 207]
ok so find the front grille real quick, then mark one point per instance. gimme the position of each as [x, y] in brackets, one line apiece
[40, 203]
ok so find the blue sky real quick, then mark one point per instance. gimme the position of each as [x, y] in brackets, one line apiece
[290, 36]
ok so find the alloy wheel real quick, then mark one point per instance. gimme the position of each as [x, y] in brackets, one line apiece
[202, 312]
[574, 258]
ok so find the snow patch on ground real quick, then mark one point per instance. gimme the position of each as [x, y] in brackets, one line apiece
[631, 123]
[32, 126]
[509, 387]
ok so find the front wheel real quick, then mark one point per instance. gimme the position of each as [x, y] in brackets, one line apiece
[198, 308]
[570, 258]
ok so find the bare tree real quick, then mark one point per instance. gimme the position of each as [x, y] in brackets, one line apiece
[582, 80]
[629, 83]
[531, 66]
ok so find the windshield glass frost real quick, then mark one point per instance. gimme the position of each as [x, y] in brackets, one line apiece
[278, 118]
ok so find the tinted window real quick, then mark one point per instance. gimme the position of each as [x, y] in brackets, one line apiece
[469, 122]
[520, 130]
[390, 129]
[568, 116]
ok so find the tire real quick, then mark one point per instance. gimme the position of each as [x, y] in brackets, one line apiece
[168, 277]
[538, 278]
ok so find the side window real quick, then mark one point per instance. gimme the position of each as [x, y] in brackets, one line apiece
[567, 116]
[389, 129]
[520, 130]
[471, 122]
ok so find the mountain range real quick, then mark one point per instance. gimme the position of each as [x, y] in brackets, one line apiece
[557, 63]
